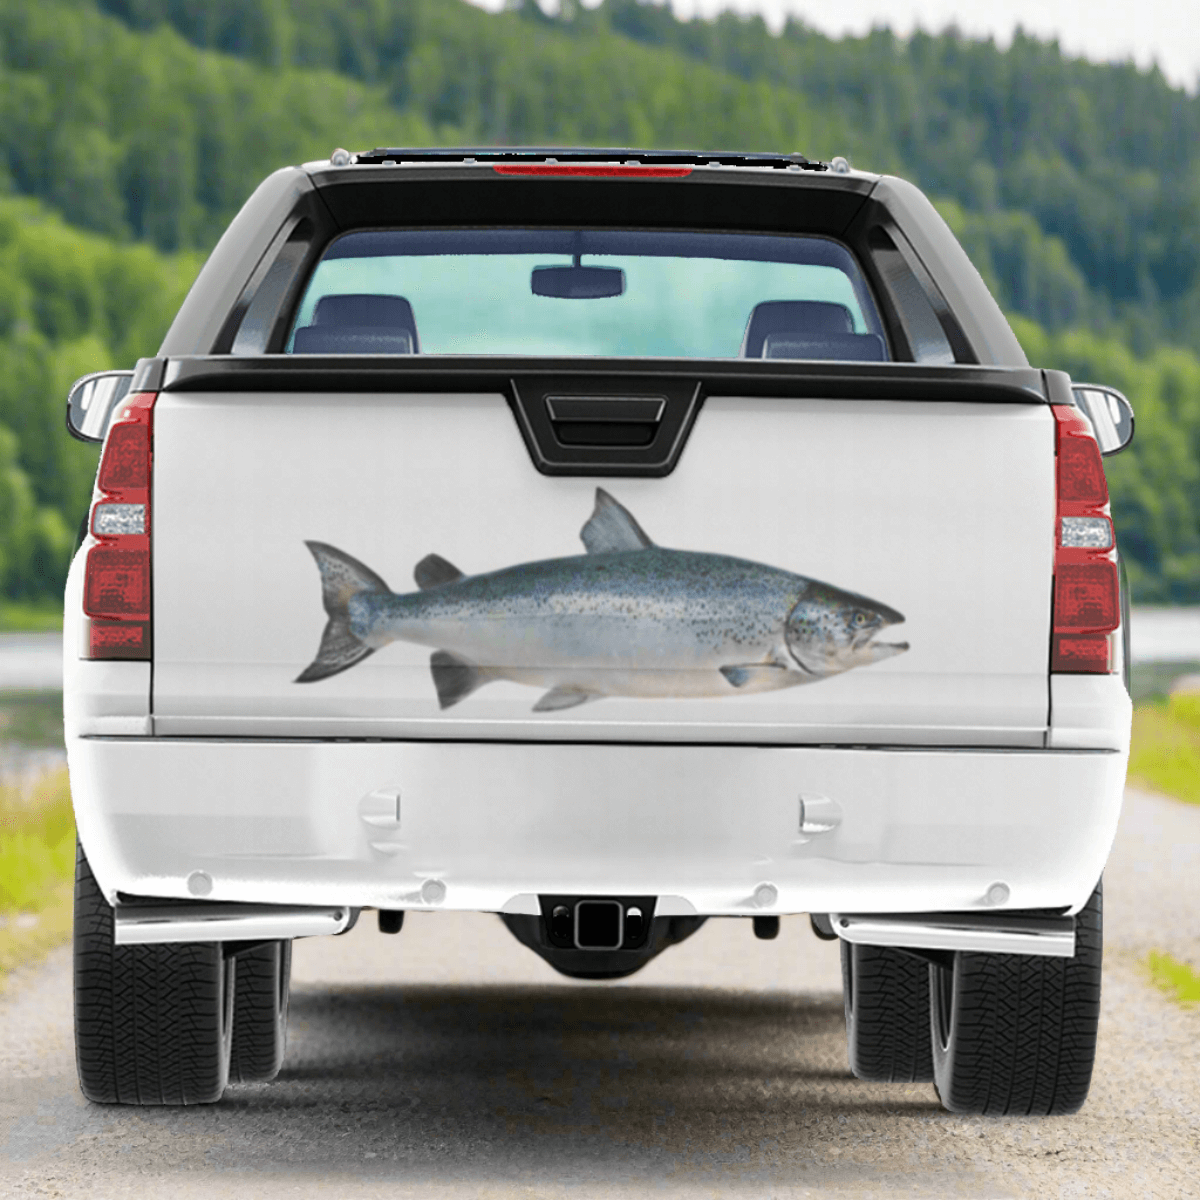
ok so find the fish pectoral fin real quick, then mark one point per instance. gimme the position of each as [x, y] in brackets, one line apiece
[740, 676]
[612, 528]
[563, 697]
[455, 678]
[433, 570]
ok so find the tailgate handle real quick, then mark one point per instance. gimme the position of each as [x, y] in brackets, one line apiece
[605, 420]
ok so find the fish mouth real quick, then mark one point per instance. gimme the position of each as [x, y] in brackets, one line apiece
[874, 651]
[865, 644]
[866, 639]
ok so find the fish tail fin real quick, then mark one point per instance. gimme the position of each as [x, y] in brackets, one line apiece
[339, 651]
[455, 678]
[342, 578]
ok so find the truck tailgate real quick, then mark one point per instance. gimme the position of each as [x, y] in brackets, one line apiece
[938, 512]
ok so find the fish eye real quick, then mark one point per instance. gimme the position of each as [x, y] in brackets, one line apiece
[860, 619]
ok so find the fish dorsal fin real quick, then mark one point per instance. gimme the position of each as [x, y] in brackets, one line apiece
[433, 570]
[612, 528]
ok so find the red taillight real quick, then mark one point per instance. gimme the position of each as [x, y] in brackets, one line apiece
[116, 583]
[1081, 655]
[1080, 469]
[1087, 605]
[594, 171]
[126, 462]
[119, 639]
[1085, 596]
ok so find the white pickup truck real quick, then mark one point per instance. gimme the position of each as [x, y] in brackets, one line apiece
[609, 541]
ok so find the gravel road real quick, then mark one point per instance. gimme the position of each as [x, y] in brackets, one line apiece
[450, 1061]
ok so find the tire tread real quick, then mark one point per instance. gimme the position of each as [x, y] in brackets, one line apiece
[260, 1012]
[1024, 1029]
[149, 1020]
[887, 1014]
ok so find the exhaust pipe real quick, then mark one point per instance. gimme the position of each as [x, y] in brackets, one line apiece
[156, 924]
[993, 933]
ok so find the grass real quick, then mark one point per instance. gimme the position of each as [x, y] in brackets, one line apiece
[37, 866]
[31, 617]
[1177, 979]
[37, 842]
[1166, 747]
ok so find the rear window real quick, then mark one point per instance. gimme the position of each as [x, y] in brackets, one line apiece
[588, 292]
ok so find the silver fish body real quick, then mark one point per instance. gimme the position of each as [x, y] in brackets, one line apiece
[649, 622]
[629, 618]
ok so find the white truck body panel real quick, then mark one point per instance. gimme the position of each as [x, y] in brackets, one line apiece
[944, 511]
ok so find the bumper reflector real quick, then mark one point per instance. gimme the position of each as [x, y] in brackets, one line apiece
[1090, 653]
[119, 639]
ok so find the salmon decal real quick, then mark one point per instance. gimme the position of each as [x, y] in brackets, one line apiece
[628, 618]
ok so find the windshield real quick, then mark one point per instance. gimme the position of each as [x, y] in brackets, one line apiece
[588, 292]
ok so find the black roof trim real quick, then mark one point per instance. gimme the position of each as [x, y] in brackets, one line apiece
[564, 155]
[470, 194]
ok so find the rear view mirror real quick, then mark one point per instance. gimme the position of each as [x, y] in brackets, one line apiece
[1110, 415]
[577, 283]
[91, 402]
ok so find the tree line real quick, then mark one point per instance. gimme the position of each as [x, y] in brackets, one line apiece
[70, 302]
[154, 118]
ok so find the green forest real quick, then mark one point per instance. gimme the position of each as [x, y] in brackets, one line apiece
[133, 129]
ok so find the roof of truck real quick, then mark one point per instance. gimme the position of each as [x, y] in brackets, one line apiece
[616, 161]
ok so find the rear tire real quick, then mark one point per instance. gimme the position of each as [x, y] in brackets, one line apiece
[1015, 1034]
[152, 1023]
[260, 1005]
[887, 1014]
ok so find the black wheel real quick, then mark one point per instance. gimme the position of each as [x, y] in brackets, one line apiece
[152, 1023]
[1014, 1034]
[260, 1003]
[887, 1014]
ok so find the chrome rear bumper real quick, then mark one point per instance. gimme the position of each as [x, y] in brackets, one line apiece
[154, 924]
[999, 933]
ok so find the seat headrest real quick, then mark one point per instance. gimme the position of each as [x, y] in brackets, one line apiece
[793, 318]
[364, 311]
